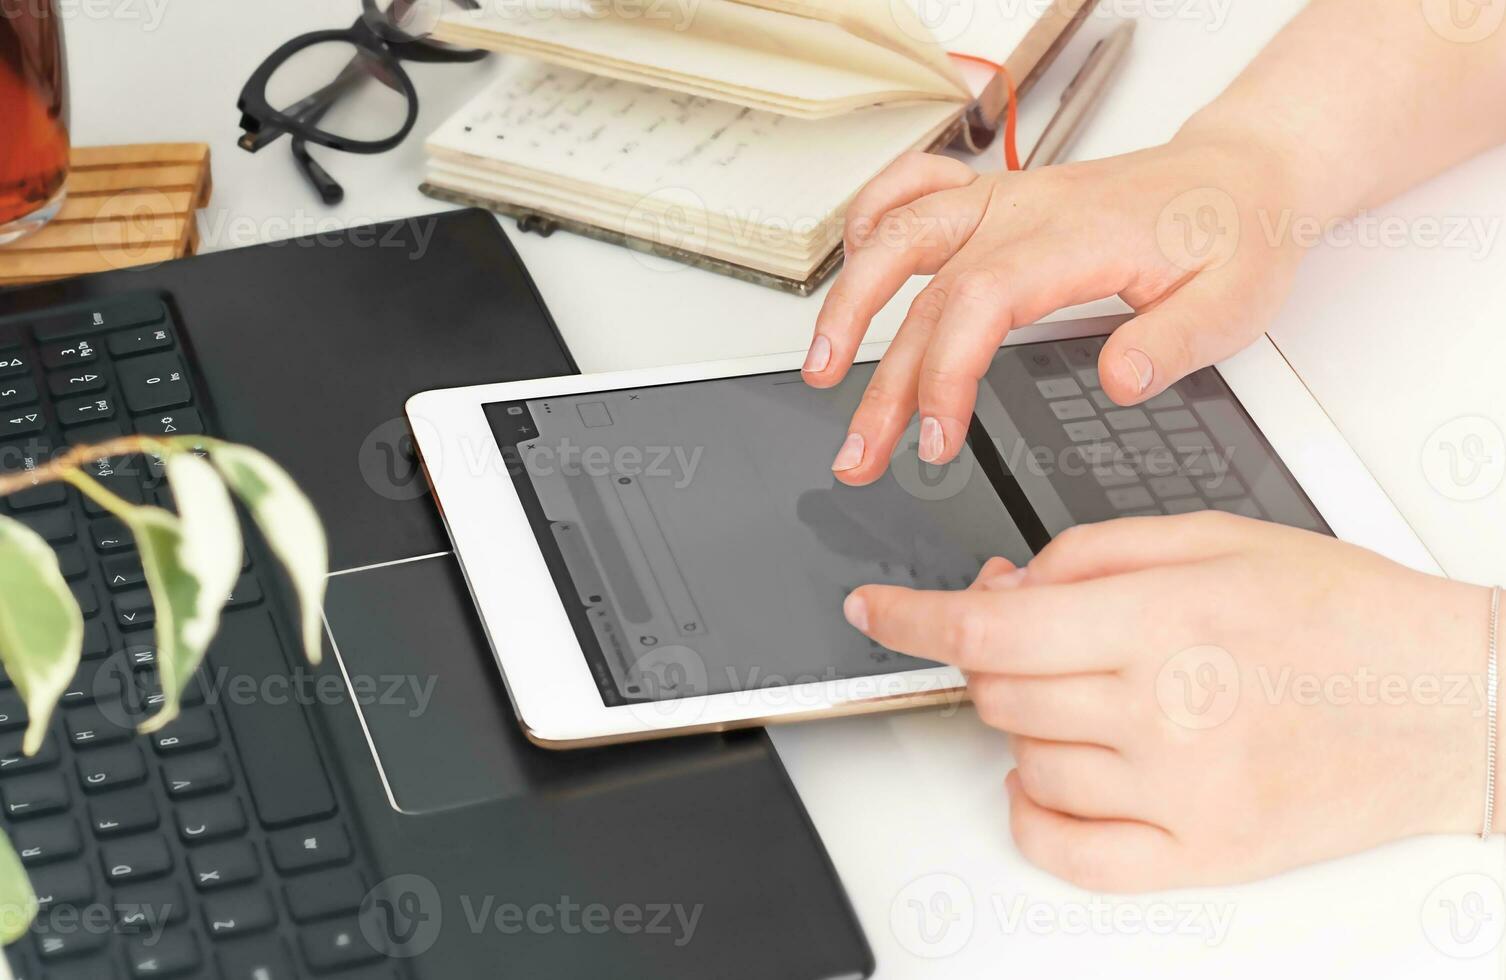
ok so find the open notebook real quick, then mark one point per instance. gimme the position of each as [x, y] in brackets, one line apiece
[733, 140]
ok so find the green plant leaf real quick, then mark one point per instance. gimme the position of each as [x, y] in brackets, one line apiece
[41, 629]
[191, 562]
[18, 903]
[289, 523]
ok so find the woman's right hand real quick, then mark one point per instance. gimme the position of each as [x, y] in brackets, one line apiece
[1160, 228]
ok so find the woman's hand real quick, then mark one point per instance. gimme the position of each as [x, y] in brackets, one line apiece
[1159, 228]
[1208, 699]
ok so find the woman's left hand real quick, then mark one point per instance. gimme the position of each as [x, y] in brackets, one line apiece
[1206, 699]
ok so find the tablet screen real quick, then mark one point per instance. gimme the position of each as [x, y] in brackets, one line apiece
[697, 526]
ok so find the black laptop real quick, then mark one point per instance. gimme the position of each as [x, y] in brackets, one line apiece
[380, 815]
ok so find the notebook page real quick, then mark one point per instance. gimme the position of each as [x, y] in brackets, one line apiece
[630, 146]
[755, 56]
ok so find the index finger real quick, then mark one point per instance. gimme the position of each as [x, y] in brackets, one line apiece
[1030, 631]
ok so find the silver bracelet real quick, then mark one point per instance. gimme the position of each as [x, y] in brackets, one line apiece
[1492, 673]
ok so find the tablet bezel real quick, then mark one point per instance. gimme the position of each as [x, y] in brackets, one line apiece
[557, 700]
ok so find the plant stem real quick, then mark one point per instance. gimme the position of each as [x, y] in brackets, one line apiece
[60, 466]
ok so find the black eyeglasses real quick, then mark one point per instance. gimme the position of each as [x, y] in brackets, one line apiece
[317, 87]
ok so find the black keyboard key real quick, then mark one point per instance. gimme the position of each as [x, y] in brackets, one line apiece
[17, 391]
[150, 906]
[13, 714]
[66, 941]
[148, 696]
[212, 819]
[54, 526]
[143, 656]
[16, 424]
[265, 958]
[96, 680]
[82, 411]
[12, 760]
[134, 611]
[239, 913]
[136, 858]
[319, 896]
[96, 640]
[94, 434]
[44, 841]
[86, 597]
[195, 775]
[62, 884]
[277, 750]
[222, 865]
[153, 383]
[191, 730]
[306, 848]
[126, 812]
[123, 572]
[87, 726]
[14, 363]
[97, 967]
[178, 422]
[109, 535]
[34, 795]
[175, 953]
[69, 353]
[335, 945]
[113, 314]
[246, 592]
[71, 562]
[38, 496]
[142, 340]
[121, 475]
[66, 384]
[112, 768]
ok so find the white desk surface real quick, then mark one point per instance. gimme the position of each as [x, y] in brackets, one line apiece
[1395, 341]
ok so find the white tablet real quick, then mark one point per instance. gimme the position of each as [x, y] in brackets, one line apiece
[666, 551]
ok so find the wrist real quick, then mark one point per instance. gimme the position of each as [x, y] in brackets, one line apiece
[1287, 179]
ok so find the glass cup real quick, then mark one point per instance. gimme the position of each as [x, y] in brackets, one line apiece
[33, 116]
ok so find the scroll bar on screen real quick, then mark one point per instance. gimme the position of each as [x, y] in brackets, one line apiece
[661, 560]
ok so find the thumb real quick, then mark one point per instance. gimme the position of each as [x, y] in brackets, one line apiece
[1201, 323]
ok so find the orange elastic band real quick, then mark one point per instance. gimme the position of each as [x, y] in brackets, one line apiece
[1011, 111]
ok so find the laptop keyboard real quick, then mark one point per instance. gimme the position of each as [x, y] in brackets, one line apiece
[216, 846]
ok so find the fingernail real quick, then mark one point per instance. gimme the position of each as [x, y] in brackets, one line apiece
[1008, 580]
[850, 455]
[856, 611]
[1141, 368]
[819, 355]
[932, 440]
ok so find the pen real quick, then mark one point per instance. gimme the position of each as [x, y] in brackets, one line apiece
[1082, 95]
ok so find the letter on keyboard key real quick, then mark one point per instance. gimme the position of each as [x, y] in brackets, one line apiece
[175, 953]
[336, 945]
[195, 774]
[282, 763]
[153, 382]
[222, 865]
[136, 858]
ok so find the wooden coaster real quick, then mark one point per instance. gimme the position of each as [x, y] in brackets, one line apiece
[126, 206]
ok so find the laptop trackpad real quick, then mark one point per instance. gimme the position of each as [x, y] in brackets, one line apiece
[429, 692]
